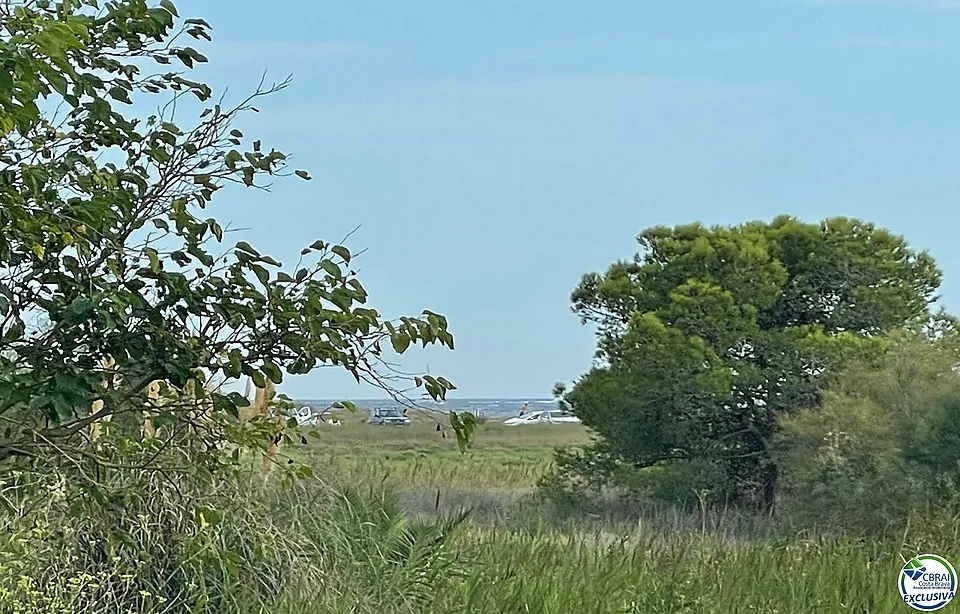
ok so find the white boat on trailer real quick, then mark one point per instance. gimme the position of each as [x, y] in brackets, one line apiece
[546, 416]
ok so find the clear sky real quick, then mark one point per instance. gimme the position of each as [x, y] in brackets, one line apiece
[495, 151]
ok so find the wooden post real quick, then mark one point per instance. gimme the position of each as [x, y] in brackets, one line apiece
[261, 403]
[153, 400]
[110, 381]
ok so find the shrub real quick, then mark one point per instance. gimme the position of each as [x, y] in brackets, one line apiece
[883, 444]
[209, 541]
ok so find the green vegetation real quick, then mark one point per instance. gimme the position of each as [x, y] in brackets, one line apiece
[710, 335]
[518, 553]
[884, 442]
[788, 368]
[774, 427]
[424, 468]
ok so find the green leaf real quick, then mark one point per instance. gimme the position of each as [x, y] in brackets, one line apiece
[331, 267]
[258, 378]
[57, 81]
[341, 251]
[216, 229]
[303, 175]
[80, 308]
[120, 94]
[6, 125]
[160, 154]
[231, 158]
[188, 56]
[169, 6]
[303, 471]
[154, 259]
[465, 426]
[246, 247]
[262, 274]
[15, 332]
[273, 372]
[162, 419]
[238, 399]
[347, 405]
[400, 342]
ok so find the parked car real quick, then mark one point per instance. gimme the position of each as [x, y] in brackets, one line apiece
[387, 416]
[552, 416]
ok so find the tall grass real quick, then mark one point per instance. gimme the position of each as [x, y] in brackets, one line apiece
[624, 554]
[660, 573]
[222, 543]
[342, 543]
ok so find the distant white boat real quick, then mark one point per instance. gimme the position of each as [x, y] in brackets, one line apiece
[555, 416]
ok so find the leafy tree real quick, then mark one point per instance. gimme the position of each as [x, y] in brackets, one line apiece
[111, 277]
[710, 335]
[884, 443]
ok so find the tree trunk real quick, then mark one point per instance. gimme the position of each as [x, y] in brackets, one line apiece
[770, 478]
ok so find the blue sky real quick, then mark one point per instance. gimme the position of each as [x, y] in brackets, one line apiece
[495, 151]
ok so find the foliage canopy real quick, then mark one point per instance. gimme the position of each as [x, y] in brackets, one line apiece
[710, 335]
[111, 277]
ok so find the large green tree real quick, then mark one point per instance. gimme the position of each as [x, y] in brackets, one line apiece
[112, 277]
[709, 335]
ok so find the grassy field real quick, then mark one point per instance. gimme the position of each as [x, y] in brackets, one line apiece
[379, 531]
[662, 562]
[425, 468]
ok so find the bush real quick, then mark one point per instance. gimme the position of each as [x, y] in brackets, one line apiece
[589, 481]
[141, 541]
[884, 443]
[148, 541]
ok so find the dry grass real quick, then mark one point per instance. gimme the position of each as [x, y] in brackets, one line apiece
[425, 468]
[417, 455]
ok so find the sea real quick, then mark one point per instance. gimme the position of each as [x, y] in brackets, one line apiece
[491, 408]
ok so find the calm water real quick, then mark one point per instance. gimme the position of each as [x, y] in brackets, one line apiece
[492, 408]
